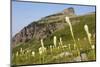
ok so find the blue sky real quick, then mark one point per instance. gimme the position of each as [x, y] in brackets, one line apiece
[23, 13]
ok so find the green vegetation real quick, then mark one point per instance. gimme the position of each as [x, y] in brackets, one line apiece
[61, 53]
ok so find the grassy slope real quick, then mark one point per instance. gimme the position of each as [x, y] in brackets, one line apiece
[83, 45]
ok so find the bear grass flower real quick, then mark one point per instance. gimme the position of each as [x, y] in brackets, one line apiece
[54, 40]
[69, 46]
[42, 44]
[21, 50]
[87, 32]
[51, 48]
[17, 53]
[93, 46]
[42, 49]
[61, 43]
[33, 53]
[71, 30]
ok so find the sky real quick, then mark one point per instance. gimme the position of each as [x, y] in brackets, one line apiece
[23, 13]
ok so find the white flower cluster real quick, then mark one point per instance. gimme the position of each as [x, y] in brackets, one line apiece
[87, 32]
[71, 30]
[42, 49]
[54, 40]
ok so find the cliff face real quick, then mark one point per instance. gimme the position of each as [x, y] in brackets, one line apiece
[42, 28]
[36, 31]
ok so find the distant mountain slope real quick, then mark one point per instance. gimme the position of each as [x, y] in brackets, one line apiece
[43, 27]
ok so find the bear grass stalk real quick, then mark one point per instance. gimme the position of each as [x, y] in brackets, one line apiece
[54, 41]
[71, 30]
[88, 36]
[42, 51]
[86, 28]
[61, 43]
[88, 33]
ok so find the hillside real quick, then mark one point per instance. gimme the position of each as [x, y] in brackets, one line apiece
[43, 27]
[28, 39]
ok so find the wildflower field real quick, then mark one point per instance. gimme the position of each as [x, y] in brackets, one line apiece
[75, 43]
